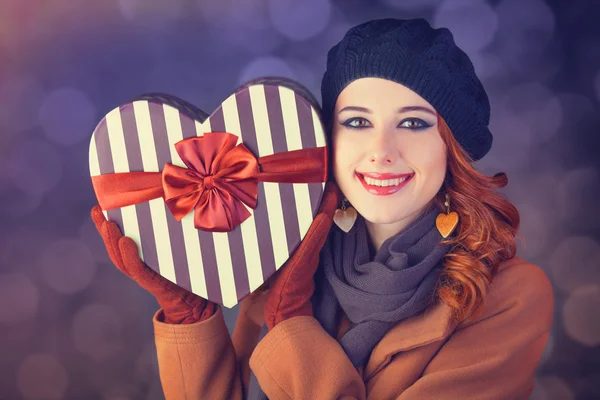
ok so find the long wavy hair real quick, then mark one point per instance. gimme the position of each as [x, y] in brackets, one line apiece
[484, 237]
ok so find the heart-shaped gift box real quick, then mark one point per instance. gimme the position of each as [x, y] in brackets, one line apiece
[218, 203]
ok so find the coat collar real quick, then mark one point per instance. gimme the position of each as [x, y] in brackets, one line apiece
[435, 323]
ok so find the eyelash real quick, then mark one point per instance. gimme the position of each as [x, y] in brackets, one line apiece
[423, 124]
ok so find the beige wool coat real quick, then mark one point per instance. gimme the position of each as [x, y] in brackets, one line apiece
[428, 356]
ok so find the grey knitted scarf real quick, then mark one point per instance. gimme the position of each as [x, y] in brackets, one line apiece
[376, 291]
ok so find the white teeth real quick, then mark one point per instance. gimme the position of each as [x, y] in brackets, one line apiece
[384, 182]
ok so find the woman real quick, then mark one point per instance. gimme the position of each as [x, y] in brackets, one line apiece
[399, 306]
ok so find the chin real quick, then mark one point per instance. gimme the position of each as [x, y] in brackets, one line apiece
[379, 218]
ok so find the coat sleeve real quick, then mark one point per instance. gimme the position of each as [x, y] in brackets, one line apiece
[494, 357]
[197, 361]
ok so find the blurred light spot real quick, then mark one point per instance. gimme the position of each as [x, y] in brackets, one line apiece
[249, 27]
[17, 204]
[266, 66]
[42, 376]
[579, 191]
[552, 388]
[411, 5]
[512, 140]
[525, 30]
[20, 246]
[21, 97]
[151, 13]
[577, 107]
[178, 78]
[576, 262]
[67, 116]
[67, 265]
[97, 332]
[300, 20]
[472, 23]
[538, 107]
[578, 309]
[534, 229]
[22, 297]
[35, 166]
[488, 65]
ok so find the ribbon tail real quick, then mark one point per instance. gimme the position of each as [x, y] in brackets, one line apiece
[297, 166]
[127, 188]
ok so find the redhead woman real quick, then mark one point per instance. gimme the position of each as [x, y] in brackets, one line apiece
[407, 284]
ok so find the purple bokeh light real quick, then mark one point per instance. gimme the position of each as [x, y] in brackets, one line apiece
[465, 17]
[42, 376]
[67, 116]
[20, 297]
[67, 265]
[581, 304]
[575, 262]
[300, 20]
[266, 66]
[97, 331]
[35, 166]
[21, 97]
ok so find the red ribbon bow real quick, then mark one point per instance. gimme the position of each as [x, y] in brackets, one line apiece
[219, 179]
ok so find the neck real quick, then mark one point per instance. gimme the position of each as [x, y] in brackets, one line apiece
[379, 233]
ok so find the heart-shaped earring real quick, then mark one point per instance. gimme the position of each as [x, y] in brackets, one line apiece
[446, 222]
[345, 217]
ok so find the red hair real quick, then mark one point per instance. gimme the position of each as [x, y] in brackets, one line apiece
[485, 235]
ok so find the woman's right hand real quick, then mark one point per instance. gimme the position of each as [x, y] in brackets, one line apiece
[180, 306]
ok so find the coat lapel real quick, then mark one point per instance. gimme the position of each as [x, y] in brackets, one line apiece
[435, 323]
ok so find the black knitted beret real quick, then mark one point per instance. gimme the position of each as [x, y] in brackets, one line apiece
[425, 60]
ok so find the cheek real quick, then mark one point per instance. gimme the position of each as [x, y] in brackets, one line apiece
[428, 157]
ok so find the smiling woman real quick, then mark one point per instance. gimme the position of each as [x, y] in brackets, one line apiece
[421, 297]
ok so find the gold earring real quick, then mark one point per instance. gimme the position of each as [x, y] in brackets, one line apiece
[345, 217]
[446, 222]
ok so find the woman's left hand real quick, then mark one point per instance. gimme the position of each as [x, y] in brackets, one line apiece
[293, 285]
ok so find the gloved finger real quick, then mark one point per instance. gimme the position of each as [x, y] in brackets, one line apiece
[332, 196]
[111, 235]
[134, 266]
[97, 217]
[165, 291]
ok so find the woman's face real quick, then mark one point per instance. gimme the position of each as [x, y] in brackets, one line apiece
[389, 157]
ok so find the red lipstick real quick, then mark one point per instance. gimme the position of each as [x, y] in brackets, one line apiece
[383, 190]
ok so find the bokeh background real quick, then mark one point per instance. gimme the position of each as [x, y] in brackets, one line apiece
[73, 327]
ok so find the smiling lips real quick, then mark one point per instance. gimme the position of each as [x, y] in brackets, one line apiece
[383, 184]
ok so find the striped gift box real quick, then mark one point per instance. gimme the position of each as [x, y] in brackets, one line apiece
[223, 267]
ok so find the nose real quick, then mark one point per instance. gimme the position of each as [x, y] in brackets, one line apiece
[382, 150]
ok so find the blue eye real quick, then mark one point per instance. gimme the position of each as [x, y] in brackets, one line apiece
[416, 124]
[356, 123]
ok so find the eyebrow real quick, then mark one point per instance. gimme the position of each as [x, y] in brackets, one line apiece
[400, 110]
